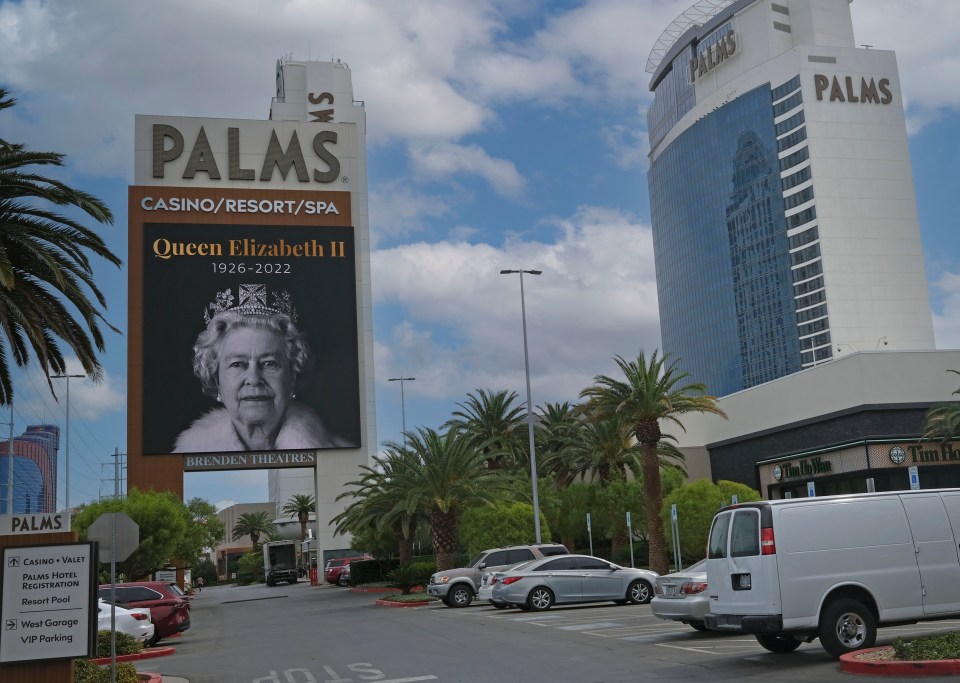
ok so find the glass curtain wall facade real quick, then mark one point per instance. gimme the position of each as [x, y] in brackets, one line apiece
[723, 259]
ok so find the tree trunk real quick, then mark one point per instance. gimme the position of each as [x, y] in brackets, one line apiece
[620, 540]
[444, 538]
[304, 518]
[654, 501]
[405, 549]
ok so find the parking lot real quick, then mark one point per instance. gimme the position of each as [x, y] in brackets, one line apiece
[304, 634]
[637, 624]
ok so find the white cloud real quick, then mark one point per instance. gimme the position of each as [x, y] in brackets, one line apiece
[595, 299]
[946, 321]
[446, 160]
[398, 210]
[88, 400]
[628, 147]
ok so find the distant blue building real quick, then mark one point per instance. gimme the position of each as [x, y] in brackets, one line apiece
[34, 471]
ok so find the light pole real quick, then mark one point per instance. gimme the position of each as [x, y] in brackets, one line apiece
[403, 409]
[526, 365]
[66, 486]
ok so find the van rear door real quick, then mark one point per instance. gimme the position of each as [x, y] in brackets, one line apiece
[742, 563]
[936, 550]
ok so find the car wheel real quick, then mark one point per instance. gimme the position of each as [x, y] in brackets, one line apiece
[460, 596]
[698, 625]
[845, 626]
[540, 599]
[500, 605]
[154, 639]
[524, 607]
[639, 592]
[777, 642]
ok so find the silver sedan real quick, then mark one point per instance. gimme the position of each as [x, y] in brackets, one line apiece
[567, 579]
[682, 596]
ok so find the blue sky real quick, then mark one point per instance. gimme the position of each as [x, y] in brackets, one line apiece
[501, 134]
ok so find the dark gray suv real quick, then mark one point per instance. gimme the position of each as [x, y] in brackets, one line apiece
[457, 587]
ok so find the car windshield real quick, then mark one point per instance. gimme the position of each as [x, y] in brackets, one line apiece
[519, 566]
[475, 561]
[175, 589]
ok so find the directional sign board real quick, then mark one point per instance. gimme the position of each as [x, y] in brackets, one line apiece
[48, 602]
[127, 534]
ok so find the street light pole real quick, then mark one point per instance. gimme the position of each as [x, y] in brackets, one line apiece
[403, 409]
[66, 492]
[526, 364]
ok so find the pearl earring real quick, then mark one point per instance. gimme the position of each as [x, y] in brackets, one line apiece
[219, 399]
[292, 395]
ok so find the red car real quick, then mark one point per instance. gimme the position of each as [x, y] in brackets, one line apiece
[169, 606]
[331, 572]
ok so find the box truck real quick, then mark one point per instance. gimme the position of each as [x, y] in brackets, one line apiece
[280, 562]
[834, 568]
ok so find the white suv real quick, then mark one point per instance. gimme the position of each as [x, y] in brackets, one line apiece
[457, 587]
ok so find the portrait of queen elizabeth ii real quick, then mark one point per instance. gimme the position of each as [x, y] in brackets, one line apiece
[251, 358]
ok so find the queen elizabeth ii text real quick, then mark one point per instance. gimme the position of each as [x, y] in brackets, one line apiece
[246, 247]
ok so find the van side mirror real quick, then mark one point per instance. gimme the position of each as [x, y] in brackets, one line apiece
[482, 565]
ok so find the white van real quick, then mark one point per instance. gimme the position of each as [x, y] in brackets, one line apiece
[834, 567]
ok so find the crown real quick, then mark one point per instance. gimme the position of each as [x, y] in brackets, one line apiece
[252, 301]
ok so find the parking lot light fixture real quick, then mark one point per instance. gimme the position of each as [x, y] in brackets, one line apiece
[526, 364]
[403, 409]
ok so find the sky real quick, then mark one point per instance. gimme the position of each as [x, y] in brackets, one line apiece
[501, 134]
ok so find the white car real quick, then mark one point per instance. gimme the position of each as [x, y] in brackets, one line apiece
[682, 596]
[485, 592]
[135, 621]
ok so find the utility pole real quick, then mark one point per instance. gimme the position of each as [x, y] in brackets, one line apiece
[10, 466]
[66, 492]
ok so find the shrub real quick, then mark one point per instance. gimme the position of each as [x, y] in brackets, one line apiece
[406, 576]
[126, 644]
[86, 671]
[946, 646]
[501, 525]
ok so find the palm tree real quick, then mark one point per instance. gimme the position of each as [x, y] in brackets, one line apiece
[253, 524]
[648, 393]
[380, 503]
[445, 474]
[494, 423]
[557, 424]
[43, 257]
[604, 450]
[943, 420]
[300, 506]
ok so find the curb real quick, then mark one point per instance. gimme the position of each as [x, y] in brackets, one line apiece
[146, 654]
[152, 678]
[849, 663]
[391, 603]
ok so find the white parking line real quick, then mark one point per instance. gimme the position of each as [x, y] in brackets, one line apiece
[584, 627]
[726, 647]
[537, 617]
